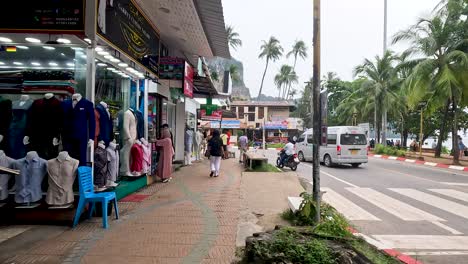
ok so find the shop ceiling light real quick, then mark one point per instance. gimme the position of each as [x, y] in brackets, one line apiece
[110, 68]
[63, 41]
[17, 63]
[33, 40]
[48, 48]
[103, 53]
[3, 39]
[22, 47]
[63, 54]
[2, 63]
[109, 57]
[71, 64]
[87, 40]
[83, 56]
[99, 49]
[115, 60]
[123, 64]
[76, 48]
[35, 64]
[101, 64]
[53, 64]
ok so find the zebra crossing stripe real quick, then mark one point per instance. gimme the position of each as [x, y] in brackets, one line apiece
[443, 204]
[350, 210]
[424, 242]
[393, 206]
[452, 193]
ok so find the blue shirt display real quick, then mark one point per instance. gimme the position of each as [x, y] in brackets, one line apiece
[28, 182]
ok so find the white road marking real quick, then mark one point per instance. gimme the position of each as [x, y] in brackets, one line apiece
[375, 243]
[424, 242]
[443, 204]
[452, 193]
[350, 210]
[432, 164]
[377, 156]
[392, 158]
[338, 179]
[456, 168]
[393, 206]
[448, 228]
[410, 161]
[435, 253]
[455, 183]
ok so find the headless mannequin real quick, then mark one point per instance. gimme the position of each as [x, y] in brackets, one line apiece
[101, 145]
[113, 169]
[61, 178]
[32, 155]
[129, 135]
[76, 98]
[101, 163]
[63, 156]
[55, 141]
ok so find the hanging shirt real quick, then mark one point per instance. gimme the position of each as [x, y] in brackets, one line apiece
[6, 162]
[28, 182]
[100, 166]
[136, 158]
[113, 165]
[146, 158]
[62, 175]
[224, 138]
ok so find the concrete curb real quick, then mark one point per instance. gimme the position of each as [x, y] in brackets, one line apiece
[421, 162]
[382, 247]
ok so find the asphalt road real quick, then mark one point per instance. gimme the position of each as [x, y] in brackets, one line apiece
[420, 211]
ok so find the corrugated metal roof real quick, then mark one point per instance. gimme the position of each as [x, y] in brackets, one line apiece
[212, 18]
[262, 103]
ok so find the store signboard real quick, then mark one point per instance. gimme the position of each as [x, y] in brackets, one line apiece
[277, 125]
[188, 80]
[228, 124]
[122, 24]
[44, 15]
[171, 68]
[215, 115]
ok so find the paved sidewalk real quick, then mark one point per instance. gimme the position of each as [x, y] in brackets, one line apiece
[192, 219]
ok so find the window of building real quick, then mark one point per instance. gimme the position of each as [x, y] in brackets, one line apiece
[251, 109]
[241, 112]
[252, 117]
[261, 112]
[257, 125]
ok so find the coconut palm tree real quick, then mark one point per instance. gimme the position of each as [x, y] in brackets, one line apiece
[299, 50]
[381, 77]
[284, 79]
[440, 77]
[233, 38]
[271, 50]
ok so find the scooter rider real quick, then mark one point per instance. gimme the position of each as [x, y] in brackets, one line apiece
[287, 151]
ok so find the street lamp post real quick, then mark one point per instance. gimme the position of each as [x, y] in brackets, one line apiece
[317, 127]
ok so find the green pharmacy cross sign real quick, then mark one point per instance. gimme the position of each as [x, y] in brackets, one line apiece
[209, 107]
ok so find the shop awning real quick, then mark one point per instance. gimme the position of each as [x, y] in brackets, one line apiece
[203, 87]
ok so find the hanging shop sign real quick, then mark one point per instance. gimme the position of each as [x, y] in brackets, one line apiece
[228, 124]
[171, 68]
[122, 24]
[188, 80]
[44, 15]
[215, 115]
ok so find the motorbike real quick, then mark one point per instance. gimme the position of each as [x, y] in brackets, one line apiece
[291, 162]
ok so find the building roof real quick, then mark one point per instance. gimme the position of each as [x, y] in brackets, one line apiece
[263, 103]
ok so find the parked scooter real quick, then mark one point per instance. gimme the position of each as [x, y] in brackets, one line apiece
[291, 162]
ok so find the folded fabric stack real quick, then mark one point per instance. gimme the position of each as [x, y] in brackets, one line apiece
[11, 81]
[50, 86]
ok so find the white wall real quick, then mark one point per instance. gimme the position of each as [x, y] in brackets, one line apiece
[179, 131]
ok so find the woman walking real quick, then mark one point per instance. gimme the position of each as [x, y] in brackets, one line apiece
[166, 151]
[215, 148]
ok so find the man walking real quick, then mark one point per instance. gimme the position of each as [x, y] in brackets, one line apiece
[243, 147]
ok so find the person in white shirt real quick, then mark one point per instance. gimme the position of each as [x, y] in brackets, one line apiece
[288, 151]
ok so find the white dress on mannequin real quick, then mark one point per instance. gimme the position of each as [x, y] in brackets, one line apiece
[129, 135]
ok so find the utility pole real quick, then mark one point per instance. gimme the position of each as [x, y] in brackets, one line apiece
[317, 126]
[384, 114]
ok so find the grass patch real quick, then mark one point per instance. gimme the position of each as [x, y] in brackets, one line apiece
[373, 254]
[265, 167]
[276, 145]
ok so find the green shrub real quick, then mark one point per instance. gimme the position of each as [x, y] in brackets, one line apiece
[333, 223]
[445, 150]
[379, 149]
[389, 151]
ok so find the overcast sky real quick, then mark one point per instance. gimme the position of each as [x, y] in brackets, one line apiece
[351, 31]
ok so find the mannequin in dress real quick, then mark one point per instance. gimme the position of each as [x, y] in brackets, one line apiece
[136, 160]
[28, 183]
[78, 127]
[129, 136]
[62, 173]
[44, 126]
[113, 166]
[4, 178]
[101, 162]
[146, 156]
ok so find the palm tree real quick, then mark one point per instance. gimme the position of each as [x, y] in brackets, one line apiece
[299, 49]
[270, 50]
[233, 38]
[439, 78]
[381, 77]
[284, 79]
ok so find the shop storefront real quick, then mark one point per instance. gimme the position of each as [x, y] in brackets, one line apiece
[76, 99]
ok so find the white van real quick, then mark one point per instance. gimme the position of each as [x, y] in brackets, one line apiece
[345, 145]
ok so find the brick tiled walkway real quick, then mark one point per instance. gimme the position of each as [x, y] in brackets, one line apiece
[193, 219]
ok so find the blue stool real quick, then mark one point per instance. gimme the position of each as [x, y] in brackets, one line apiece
[87, 195]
